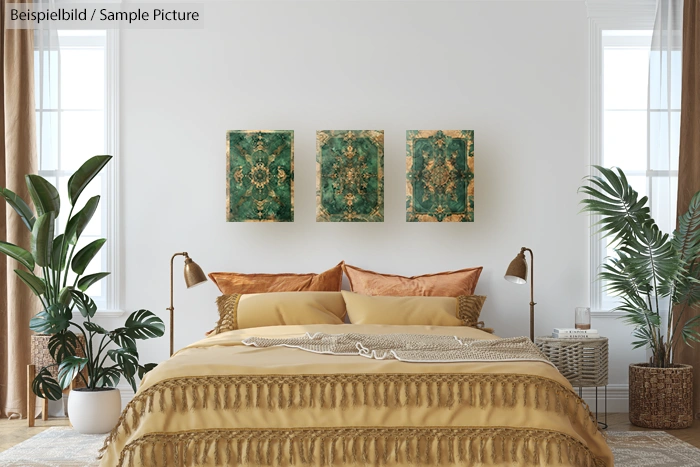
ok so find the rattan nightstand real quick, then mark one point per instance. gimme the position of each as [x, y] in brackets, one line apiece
[584, 362]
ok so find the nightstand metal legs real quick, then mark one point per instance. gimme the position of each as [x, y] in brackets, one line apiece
[604, 423]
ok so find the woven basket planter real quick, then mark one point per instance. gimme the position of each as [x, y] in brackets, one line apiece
[41, 356]
[661, 398]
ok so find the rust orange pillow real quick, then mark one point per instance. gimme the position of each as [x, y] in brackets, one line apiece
[235, 282]
[441, 284]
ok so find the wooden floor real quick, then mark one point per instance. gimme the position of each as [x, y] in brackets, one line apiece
[620, 422]
[15, 431]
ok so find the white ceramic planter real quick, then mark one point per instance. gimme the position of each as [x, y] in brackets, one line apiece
[94, 412]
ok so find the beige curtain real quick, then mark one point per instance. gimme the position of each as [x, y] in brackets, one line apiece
[689, 156]
[17, 158]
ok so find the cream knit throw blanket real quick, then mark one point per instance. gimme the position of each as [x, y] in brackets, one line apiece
[417, 348]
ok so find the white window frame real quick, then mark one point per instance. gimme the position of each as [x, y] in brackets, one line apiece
[111, 306]
[623, 15]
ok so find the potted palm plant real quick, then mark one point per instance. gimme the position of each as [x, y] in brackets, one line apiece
[54, 272]
[656, 276]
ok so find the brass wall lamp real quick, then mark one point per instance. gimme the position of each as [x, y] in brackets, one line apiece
[517, 273]
[193, 276]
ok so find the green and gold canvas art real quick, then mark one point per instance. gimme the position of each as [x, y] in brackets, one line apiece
[440, 176]
[350, 176]
[260, 176]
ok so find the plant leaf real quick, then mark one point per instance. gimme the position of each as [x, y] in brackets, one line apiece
[143, 369]
[20, 206]
[121, 337]
[42, 239]
[43, 194]
[59, 252]
[46, 387]
[85, 282]
[69, 369]
[18, 253]
[690, 332]
[143, 324]
[84, 175]
[128, 362]
[82, 259]
[54, 319]
[35, 283]
[108, 377]
[85, 304]
[63, 344]
[92, 327]
[80, 220]
[64, 295]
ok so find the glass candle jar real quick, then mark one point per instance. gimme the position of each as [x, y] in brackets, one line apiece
[583, 318]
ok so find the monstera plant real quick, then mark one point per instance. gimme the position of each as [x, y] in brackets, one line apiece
[656, 276]
[55, 273]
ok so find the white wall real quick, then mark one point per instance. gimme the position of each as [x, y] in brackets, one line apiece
[514, 72]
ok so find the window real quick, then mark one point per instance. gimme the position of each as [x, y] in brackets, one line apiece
[75, 93]
[630, 129]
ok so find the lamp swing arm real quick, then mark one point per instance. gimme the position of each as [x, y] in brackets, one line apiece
[532, 274]
[532, 291]
[171, 308]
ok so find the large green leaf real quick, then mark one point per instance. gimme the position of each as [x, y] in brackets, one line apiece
[691, 330]
[59, 252]
[36, 284]
[80, 220]
[143, 369]
[128, 362]
[69, 369]
[45, 386]
[85, 282]
[143, 324]
[64, 295]
[44, 195]
[54, 319]
[85, 304]
[84, 175]
[108, 377]
[82, 259]
[93, 327]
[20, 206]
[18, 253]
[121, 337]
[62, 345]
[611, 197]
[42, 239]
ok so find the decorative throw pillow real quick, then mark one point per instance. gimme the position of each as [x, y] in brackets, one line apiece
[235, 282]
[427, 311]
[241, 311]
[442, 284]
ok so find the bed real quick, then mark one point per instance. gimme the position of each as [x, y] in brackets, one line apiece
[220, 402]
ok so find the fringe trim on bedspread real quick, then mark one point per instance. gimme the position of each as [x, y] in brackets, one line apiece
[371, 446]
[279, 392]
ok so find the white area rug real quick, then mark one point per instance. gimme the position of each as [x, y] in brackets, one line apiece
[64, 447]
[55, 447]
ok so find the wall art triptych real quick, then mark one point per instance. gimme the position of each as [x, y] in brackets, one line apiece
[440, 176]
[350, 176]
[260, 176]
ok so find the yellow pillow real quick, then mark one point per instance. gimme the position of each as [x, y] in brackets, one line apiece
[240, 311]
[427, 311]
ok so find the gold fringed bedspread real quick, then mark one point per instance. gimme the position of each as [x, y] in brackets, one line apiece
[219, 402]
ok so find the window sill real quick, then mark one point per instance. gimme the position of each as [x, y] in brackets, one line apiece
[110, 313]
[607, 314]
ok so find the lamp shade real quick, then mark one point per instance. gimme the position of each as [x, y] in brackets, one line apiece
[517, 269]
[193, 273]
